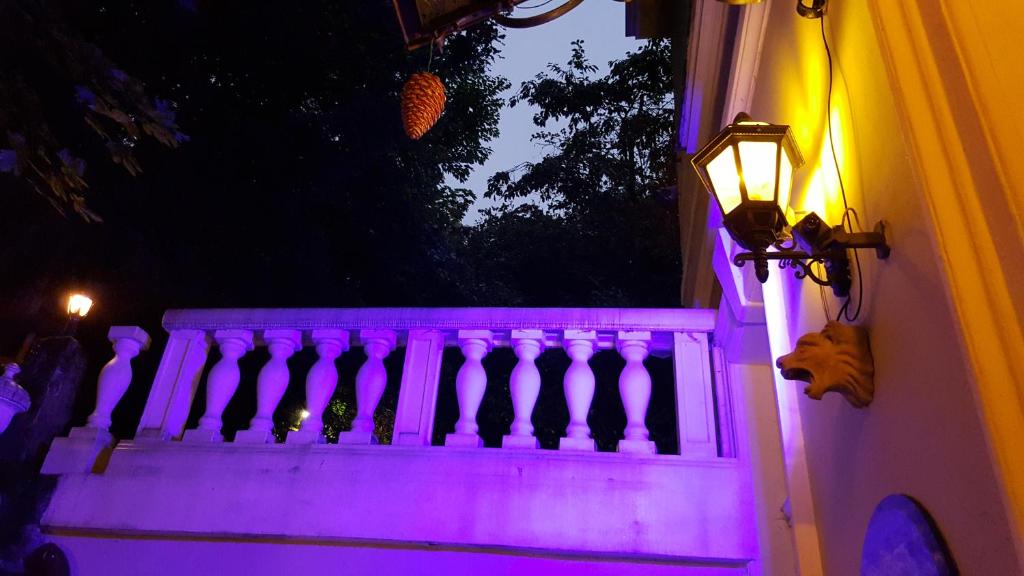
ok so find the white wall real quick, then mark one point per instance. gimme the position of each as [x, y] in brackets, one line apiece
[923, 435]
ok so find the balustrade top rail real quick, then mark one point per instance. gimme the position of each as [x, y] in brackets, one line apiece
[658, 320]
[625, 319]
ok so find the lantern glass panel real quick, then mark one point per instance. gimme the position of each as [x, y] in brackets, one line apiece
[759, 169]
[726, 179]
[785, 181]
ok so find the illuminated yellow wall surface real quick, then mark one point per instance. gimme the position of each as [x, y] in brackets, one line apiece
[924, 434]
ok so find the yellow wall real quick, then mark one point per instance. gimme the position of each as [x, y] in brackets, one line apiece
[924, 435]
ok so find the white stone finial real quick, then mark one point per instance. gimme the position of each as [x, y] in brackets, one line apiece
[13, 398]
[116, 375]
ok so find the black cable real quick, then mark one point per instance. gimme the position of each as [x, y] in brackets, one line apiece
[844, 311]
[535, 6]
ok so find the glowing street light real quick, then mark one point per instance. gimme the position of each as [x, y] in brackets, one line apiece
[79, 305]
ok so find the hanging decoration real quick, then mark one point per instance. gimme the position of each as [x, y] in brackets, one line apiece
[423, 101]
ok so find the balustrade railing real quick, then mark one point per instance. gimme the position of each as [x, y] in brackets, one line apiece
[424, 333]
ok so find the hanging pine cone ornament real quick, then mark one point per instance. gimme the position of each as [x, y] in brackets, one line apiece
[422, 103]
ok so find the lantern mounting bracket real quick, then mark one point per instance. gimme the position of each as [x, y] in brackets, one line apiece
[821, 244]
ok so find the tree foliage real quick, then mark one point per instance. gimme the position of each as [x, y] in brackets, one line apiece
[594, 221]
[57, 84]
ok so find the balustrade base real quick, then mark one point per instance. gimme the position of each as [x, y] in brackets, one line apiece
[305, 437]
[83, 451]
[151, 435]
[577, 444]
[463, 440]
[357, 437]
[254, 437]
[637, 447]
[200, 436]
[520, 442]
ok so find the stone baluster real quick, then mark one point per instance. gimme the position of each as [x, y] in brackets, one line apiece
[271, 385]
[221, 384]
[321, 381]
[82, 451]
[470, 385]
[524, 386]
[579, 389]
[635, 389]
[116, 375]
[371, 380]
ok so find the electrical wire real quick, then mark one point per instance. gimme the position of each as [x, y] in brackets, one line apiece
[535, 6]
[844, 310]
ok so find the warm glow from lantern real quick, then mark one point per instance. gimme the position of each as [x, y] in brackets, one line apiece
[79, 305]
[758, 162]
[726, 179]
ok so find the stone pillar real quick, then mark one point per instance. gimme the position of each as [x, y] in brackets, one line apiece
[635, 389]
[524, 385]
[320, 385]
[470, 385]
[174, 386]
[417, 395]
[221, 384]
[270, 385]
[371, 380]
[82, 449]
[579, 389]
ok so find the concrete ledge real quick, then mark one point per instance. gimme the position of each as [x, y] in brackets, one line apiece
[600, 503]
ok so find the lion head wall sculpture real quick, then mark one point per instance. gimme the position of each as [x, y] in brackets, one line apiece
[837, 359]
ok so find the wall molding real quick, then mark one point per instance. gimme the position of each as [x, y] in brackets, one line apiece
[938, 70]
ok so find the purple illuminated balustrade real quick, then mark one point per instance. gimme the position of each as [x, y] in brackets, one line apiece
[424, 333]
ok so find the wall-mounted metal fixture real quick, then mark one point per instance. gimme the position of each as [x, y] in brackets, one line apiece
[805, 8]
[813, 9]
[430, 21]
[748, 168]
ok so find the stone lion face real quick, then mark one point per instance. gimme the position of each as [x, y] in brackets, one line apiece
[837, 359]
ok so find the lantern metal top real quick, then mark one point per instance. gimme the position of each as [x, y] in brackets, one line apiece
[745, 129]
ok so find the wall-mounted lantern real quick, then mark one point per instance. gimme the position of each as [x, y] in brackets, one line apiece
[748, 168]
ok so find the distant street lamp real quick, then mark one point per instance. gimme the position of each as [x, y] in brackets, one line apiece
[78, 307]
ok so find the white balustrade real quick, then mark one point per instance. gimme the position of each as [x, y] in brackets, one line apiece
[470, 385]
[579, 389]
[524, 385]
[116, 375]
[221, 384]
[635, 389]
[371, 380]
[271, 384]
[321, 382]
[635, 334]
